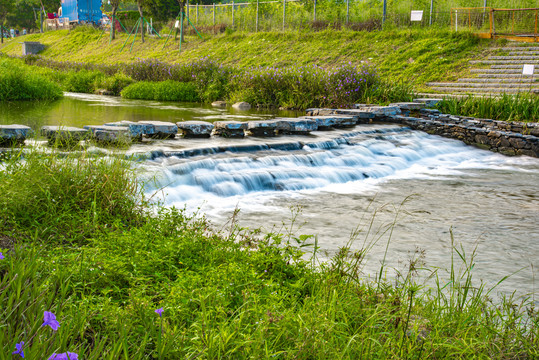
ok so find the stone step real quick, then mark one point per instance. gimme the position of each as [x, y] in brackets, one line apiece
[509, 80]
[512, 53]
[514, 57]
[509, 66]
[230, 128]
[263, 127]
[296, 125]
[110, 134]
[481, 85]
[520, 48]
[63, 135]
[454, 96]
[136, 129]
[474, 90]
[514, 70]
[504, 62]
[14, 134]
[160, 129]
[333, 121]
[510, 76]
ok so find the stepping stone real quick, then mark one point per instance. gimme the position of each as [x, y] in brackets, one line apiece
[136, 129]
[160, 129]
[110, 134]
[263, 127]
[371, 112]
[63, 135]
[230, 128]
[332, 121]
[195, 129]
[297, 126]
[14, 134]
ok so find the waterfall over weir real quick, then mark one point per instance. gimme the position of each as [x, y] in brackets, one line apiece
[235, 170]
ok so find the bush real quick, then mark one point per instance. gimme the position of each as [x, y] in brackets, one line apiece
[83, 81]
[115, 83]
[18, 82]
[162, 91]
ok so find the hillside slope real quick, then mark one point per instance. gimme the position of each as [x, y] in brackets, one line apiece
[415, 56]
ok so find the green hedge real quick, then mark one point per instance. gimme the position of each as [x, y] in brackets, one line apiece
[163, 91]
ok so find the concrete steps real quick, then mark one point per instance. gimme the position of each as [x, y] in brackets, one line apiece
[503, 76]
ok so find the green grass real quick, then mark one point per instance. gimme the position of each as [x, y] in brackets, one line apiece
[168, 90]
[19, 82]
[234, 294]
[522, 107]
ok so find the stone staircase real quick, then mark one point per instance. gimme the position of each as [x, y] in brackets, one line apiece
[504, 75]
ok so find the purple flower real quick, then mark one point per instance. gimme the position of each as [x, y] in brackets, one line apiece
[19, 350]
[64, 356]
[159, 311]
[50, 319]
[1, 256]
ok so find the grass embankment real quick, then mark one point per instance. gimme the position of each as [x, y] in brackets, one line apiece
[414, 56]
[80, 243]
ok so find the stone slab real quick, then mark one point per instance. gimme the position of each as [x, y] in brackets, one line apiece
[408, 106]
[230, 128]
[63, 135]
[333, 121]
[161, 129]
[137, 129]
[242, 106]
[263, 127]
[297, 126]
[430, 102]
[14, 134]
[195, 128]
[110, 134]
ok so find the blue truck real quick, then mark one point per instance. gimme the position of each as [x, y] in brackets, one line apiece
[82, 11]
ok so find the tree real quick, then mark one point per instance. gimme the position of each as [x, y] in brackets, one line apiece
[115, 4]
[140, 5]
[6, 6]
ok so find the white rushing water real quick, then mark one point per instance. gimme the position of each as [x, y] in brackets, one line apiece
[341, 179]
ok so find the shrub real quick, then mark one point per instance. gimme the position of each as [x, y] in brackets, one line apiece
[115, 83]
[162, 91]
[83, 81]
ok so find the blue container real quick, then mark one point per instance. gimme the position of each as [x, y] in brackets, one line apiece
[83, 11]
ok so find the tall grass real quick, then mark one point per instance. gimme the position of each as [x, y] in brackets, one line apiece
[163, 91]
[521, 107]
[17, 82]
[235, 294]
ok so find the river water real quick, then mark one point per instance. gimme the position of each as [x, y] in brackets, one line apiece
[414, 191]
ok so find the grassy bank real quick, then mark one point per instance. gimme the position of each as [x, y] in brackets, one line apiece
[415, 56]
[122, 283]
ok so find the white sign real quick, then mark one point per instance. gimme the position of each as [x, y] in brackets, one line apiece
[528, 69]
[177, 25]
[416, 15]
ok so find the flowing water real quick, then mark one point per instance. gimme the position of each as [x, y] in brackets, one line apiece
[432, 189]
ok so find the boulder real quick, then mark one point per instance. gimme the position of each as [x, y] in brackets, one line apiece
[195, 129]
[219, 104]
[160, 129]
[14, 134]
[242, 106]
[230, 128]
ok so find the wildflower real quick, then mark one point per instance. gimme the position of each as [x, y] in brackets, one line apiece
[50, 319]
[64, 356]
[1, 256]
[19, 350]
[159, 311]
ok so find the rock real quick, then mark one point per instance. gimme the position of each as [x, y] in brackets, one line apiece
[242, 106]
[160, 129]
[14, 134]
[194, 129]
[296, 126]
[427, 101]
[219, 104]
[64, 135]
[110, 134]
[408, 106]
[104, 92]
[263, 127]
[230, 128]
[137, 129]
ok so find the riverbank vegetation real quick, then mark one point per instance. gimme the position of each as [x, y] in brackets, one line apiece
[521, 107]
[88, 266]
